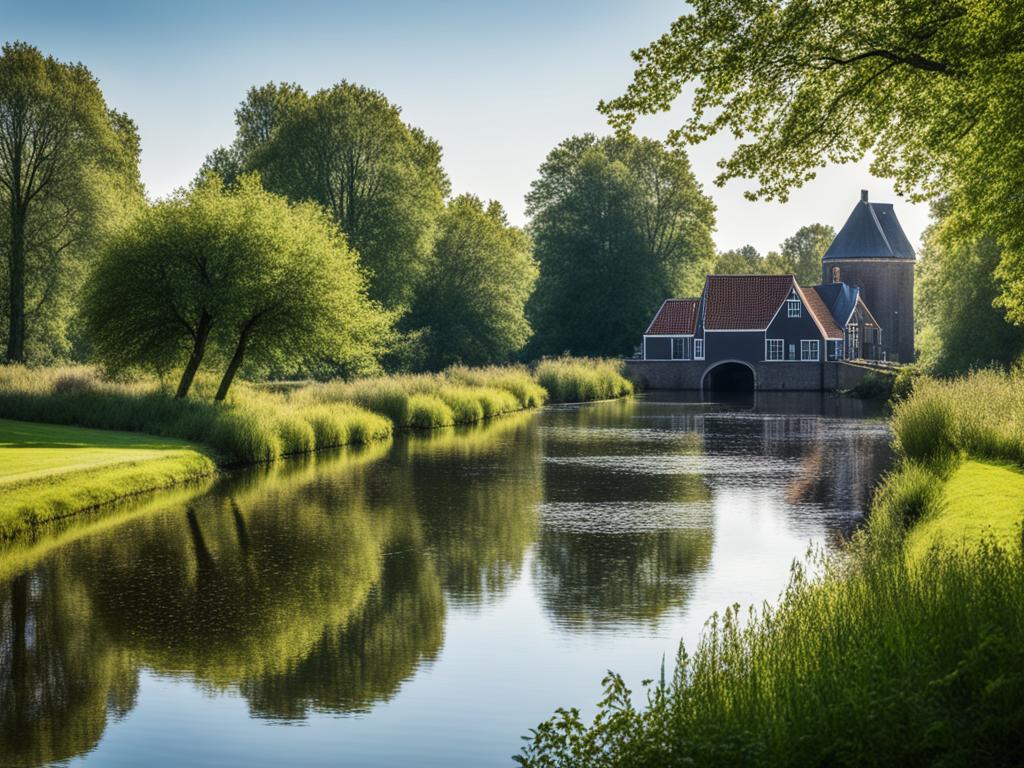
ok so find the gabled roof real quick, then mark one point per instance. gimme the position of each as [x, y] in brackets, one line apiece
[871, 232]
[819, 312]
[841, 300]
[744, 302]
[675, 316]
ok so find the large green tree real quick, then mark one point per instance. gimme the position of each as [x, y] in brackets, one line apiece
[930, 90]
[243, 274]
[958, 326]
[801, 254]
[619, 224]
[347, 149]
[68, 174]
[473, 299]
[744, 260]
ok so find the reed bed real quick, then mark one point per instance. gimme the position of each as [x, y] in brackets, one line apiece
[253, 426]
[578, 380]
[879, 658]
[980, 415]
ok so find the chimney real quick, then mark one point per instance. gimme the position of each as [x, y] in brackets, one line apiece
[863, 195]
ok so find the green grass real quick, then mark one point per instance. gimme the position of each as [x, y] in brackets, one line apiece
[48, 472]
[979, 502]
[578, 380]
[252, 426]
[904, 649]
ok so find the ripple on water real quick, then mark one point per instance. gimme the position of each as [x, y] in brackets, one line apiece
[630, 517]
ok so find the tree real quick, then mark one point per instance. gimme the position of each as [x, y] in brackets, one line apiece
[241, 272]
[619, 224]
[346, 148]
[959, 328]
[472, 303]
[801, 253]
[68, 172]
[929, 89]
[739, 261]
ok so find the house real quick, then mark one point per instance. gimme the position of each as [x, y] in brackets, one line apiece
[769, 332]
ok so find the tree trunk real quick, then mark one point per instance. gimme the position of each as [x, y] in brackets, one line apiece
[236, 360]
[16, 296]
[198, 350]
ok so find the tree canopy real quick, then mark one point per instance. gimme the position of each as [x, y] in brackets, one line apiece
[473, 299]
[347, 149]
[929, 90]
[242, 274]
[619, 224]
[68, 175]
[958, 326]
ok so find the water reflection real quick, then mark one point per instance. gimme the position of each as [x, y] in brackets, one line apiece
[325, 585]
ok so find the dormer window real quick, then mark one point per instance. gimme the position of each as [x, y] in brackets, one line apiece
[793, 307]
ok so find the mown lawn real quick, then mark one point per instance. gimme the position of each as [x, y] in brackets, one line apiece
[49, 471]
[980, 501]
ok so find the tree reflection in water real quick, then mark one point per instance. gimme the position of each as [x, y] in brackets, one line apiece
[322, 585]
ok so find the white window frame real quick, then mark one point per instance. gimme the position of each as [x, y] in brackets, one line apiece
[806, 345]
[794, 308]
[770, 345]
[682, 342]
[698, 349]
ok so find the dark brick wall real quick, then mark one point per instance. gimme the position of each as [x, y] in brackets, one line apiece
[655, 374]
[887, 287]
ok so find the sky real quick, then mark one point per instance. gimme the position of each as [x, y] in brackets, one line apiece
[498, 84]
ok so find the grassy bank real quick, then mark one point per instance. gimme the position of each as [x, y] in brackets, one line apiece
[49, 472]
[255, 425]
[905, 649]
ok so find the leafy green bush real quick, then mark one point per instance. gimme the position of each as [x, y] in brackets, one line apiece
[576, 380]
[873, 386]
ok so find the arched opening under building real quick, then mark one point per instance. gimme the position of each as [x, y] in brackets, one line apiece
[729, 377]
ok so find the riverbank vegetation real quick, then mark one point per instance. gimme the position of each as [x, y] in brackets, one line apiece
[903, 649]
[49, 471]
[258, 424]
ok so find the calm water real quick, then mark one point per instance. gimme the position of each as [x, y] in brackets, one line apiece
[423, 603]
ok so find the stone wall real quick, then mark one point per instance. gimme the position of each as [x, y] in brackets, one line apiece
[768, 377]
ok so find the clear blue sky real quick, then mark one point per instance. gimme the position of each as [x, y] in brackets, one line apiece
[497, 83]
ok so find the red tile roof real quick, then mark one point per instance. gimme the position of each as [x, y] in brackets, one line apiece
[818, 310]
[675, 316]
[744, 302]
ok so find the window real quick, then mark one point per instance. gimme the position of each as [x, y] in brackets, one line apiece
[775, 349]
[835, 350]
[793, 307]
[698, 349]
[808, 349]
[681, 347]
[853, 339]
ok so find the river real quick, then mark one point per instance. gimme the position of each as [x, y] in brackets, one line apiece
[424, 602]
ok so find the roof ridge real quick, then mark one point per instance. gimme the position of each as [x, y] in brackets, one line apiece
[881, 231]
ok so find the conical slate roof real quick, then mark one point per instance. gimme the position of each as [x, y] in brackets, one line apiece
[871, 232]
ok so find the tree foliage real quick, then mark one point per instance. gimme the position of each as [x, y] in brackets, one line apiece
[241, 274]
[929, 90]
[473, 299]
[68, 175]
[347, 149]
[619, 225]
[958, 326]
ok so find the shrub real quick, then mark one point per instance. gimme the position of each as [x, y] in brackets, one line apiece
[568, 379]
[874, 385]
[428, 412]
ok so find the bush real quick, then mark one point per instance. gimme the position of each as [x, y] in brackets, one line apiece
[873, 386]
[576, 380]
